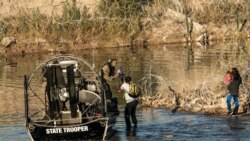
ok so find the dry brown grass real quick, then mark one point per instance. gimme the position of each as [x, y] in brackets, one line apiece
[78, 23]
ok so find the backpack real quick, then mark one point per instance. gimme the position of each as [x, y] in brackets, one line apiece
[134, 90]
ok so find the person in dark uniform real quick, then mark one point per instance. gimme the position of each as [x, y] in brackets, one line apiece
[233, 91]
[109, 73]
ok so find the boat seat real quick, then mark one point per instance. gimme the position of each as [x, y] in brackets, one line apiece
[88, 97]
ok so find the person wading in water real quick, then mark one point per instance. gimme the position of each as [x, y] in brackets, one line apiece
[131, 104]
[233, 91]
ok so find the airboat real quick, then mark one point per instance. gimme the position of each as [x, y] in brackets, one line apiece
[65, 99]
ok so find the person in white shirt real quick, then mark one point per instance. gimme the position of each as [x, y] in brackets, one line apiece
[131, 104]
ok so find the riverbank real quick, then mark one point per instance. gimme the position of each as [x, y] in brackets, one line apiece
[75, 25]
[207, 96]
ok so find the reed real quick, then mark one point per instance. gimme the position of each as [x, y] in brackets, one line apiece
[124, 19]
[202, 11]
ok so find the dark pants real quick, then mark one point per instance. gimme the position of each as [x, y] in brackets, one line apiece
[130, 110]
[107, 89]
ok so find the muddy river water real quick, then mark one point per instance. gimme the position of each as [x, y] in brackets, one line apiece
[175, 62]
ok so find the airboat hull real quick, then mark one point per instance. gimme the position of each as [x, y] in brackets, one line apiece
[96, 130]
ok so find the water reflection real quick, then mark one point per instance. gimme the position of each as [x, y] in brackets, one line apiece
[176, 62]
[190, 56]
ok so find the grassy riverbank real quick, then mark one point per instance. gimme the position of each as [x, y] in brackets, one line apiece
[123, 23]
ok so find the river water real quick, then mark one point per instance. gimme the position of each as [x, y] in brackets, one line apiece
[175, 62]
